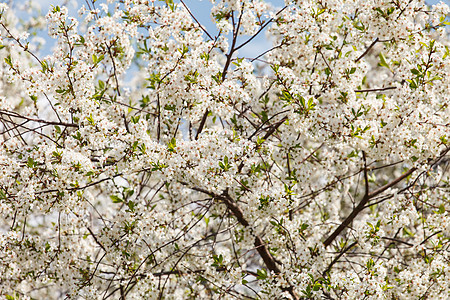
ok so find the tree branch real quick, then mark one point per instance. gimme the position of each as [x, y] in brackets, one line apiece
[268, 259]
[367, 50]
[362, 205]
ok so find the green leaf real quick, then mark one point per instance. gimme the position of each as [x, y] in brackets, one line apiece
[90, 119]
[8, 60]
[44, 66]
[218, 261]
[135, 119]
[407, 232]
[131, 205]
[383, 62]
[101, 85]
[224, 165]
[170, 107]
[172, 145]
[116, 199]
[96, 59]
[412, 83]
[262, 274]
[31, 163]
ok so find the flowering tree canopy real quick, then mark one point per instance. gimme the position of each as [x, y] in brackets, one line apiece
[144, 158]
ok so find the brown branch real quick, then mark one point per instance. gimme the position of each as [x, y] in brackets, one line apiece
[376, 90]
[391, 184]
[16, 115]
[260, 29]
[397, 240]
[27, 129]
[193, 17]
[114, 66]
[264, 123]
[269, 261]
[367, 50]
[338, 257]
[202, 124]
[274, 127]
[72, 189]
[362, 205]
[95, 239]
[366, 177]
[425, 240]
[260, 246]
[24, 47]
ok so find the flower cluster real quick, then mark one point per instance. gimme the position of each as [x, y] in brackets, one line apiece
[142, 157]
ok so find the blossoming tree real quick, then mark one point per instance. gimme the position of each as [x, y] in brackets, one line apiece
[144, 158]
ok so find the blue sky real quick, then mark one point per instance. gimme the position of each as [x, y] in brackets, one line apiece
[201, 10]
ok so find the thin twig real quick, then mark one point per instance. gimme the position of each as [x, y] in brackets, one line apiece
[367, 50]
